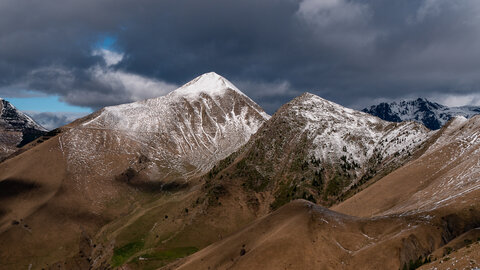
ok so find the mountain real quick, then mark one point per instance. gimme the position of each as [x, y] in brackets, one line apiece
[126, 159]
[315, 149]
[426, 210]
[16, 129]
[447, 173]
[180, 135]
[202, 178]
[139, 204]
[310, 148]
[431, 114]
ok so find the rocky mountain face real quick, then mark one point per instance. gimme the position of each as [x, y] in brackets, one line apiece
[315, 149]
[16, 129]
[431, 114]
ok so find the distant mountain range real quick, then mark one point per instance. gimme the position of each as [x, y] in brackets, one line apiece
[431, 114]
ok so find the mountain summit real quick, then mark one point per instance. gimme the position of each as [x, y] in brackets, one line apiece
[209, 83]
[192, 127]
[315, 149]
[431, 114]
[16, 128]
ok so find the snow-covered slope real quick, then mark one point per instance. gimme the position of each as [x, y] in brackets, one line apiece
[181, 134]
[315, 147]
[431, 114]
[445, 176]
[16, 128]
[337, 131]
[452, 167]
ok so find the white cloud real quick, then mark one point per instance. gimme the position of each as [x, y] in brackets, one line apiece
[111, 58]
[99, 86]
[456, 100]
[135, 86]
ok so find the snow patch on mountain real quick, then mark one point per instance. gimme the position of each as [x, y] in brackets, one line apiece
[451, 167]
[356, 137]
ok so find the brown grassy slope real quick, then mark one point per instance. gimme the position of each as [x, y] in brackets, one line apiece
[29, 181]
[467, 257]
[445, 174]
[52, 207]
[44, 214]
[302, 235]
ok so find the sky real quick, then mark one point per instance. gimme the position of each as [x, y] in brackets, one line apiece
[78, 56]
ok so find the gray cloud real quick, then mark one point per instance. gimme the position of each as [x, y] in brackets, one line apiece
[352, 52]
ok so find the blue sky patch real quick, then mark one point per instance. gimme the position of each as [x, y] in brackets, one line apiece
[45, 104]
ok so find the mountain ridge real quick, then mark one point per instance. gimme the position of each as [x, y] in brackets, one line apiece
[433, 115]
[316, 149]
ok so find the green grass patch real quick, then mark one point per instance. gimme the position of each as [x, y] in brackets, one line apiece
[171, 254]
[122, 254]
[160, 258]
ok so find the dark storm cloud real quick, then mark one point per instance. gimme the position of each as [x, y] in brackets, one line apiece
[352, 52]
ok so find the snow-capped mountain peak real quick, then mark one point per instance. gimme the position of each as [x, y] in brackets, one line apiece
[334, 128]
[210, 83]
[186, 131]
[431, 114]
[314, 107]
